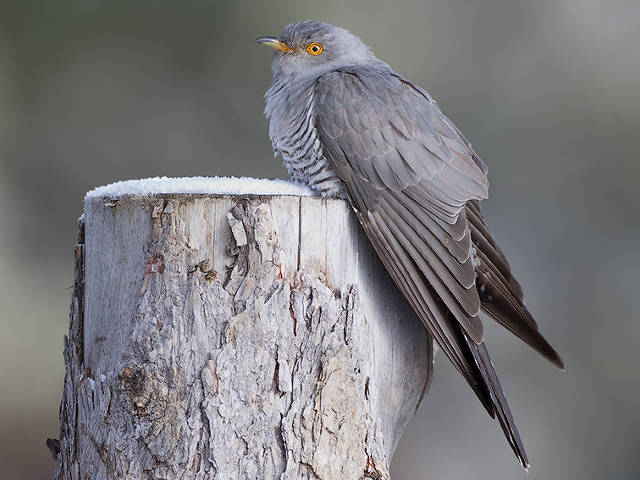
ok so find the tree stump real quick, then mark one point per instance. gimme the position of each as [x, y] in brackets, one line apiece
[234, 337]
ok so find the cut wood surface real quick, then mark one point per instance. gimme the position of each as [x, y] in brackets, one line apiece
[234, 337]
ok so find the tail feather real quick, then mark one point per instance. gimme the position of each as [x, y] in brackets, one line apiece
[499, 401]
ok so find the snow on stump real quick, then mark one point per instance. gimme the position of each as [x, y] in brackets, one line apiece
[233, 329]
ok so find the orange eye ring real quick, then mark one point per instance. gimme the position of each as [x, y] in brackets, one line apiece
[314, 48]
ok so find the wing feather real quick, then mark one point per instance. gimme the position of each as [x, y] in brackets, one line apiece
[500, 293]
[458, 300]
[406, 274]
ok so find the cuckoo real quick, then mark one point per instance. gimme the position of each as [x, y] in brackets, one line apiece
[349, 126]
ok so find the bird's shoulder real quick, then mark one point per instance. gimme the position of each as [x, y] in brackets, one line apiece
[389, 132]
[376, 84]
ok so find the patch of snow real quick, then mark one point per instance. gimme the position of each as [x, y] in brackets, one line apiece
[201, 185]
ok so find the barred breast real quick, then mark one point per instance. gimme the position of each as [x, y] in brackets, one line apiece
[294, 136]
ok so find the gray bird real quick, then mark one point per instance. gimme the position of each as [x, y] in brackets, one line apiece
[349, 126]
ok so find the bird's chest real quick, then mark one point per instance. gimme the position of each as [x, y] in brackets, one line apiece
[294, 136]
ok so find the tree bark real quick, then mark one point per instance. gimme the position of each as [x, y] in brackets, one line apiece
[228, 337]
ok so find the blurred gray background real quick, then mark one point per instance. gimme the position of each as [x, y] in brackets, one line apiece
[97, 91]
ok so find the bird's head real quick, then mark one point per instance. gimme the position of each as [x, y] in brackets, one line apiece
[308, 48]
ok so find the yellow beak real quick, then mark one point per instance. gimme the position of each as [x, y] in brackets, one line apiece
[273, 42]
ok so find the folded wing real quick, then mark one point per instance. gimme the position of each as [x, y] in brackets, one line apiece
[415, 182]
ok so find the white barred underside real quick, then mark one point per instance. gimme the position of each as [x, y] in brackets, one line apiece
[300, 147]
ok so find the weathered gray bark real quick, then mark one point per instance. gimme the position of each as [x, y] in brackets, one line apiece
[224, 337]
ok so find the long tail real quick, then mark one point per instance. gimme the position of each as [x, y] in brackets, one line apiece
[497, 404]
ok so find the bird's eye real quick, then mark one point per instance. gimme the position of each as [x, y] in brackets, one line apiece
[314, 49]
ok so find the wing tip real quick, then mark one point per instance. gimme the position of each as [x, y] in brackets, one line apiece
[544, 348]
[556, 361]
[520, 323]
